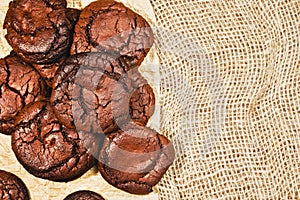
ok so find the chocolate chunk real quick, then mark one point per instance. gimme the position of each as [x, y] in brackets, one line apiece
[39, 31]
[135, 159]
[49, 150]
[92, 93]
[108, 25]
[84, 195]
[20, 85]
[12, 187]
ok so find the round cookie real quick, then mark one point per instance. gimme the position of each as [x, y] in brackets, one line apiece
[12, 187]
[20, 85]
[135, 159]
[47, 149]
[84, 195]
[39, 31]
[92, 93]
[142, 104]
[108, 25]
[142, 99]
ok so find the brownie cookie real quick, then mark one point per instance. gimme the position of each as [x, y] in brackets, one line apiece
[47, 149]
[142, 99]
[84, 195]
[108, 25]
[20, 85]
[39, 31]
[92, 92]
[12, 187]
[135, 159]
[142, 104]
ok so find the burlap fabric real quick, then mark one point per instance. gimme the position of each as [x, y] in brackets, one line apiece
[227, 86]
[230, 98]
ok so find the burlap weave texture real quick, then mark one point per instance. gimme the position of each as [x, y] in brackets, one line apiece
[237, 130]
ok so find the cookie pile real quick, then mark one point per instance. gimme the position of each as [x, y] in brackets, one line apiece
[71, 94]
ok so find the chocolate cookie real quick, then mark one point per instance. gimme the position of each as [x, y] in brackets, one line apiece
[135, 159]
[12, 187]
[108, 25]
[20, 85]
[90, 93]
[142, 99]
[84, 195]
[142, 104]
[47, 149]
[39, 31]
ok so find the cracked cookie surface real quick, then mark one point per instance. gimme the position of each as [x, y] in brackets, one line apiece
[49, 150]
[135, 159]
[20, 85]
[108, 25]
[38, 30]
[142, 98]
[84, 195]
[80, 73]
[142, 104]
[93, 93]
[12, 187]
